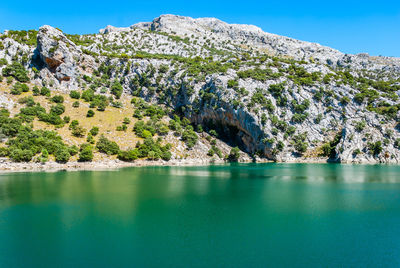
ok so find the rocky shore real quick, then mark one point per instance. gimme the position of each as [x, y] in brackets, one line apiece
[6, 166]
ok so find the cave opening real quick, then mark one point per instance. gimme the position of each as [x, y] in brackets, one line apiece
[229, 134]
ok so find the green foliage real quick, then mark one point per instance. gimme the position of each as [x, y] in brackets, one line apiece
[368, 94]
[144, 130]
[94, 130]
[318, 119]
[234, 155]
[17, 71]
[258, 74]
[78, 131]
[3, 61]
[21, 155]
[66, 119]
[35, 91]
[90, 113]
[375, 148]
[75, 104]
[44, 91]
[24, 37]
[189, 137]
[106, 146]
[86, 153]
[44, 156]
[80, 40]
[99, 101]
[300, 144]
[116, 89]
[301, 77]
[163, 68]
[90, 139]
[58, 109]
[329, 149]
[62, 155]
[87, 95]
[24, 143]
[302, 107]
[233, 83]
[153, 150]
[18, 88]
[360, 125]
[74, 94]
[344, 100]
[397, 143]
[57, 99]
[129, 155]
[299, 118]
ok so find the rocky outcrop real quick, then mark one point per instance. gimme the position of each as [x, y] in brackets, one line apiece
[63, 58]
[58, 52]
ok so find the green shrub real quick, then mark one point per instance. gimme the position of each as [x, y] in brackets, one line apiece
[62, 155]
[35, 91]
[57, 99]
[78, 131]
[74, 94]
[360, 125]
[116, 89]
[106, 146]
[234, 155]
[21, 155]
[300, 143]
[153, 150]
[17, 71]
[66, 119]
[94, 130]
[87, 95]
[375, 148]
[58, 109]
[44, 91]
[190, 138]
[129, 155]
[233, 83]
[90, 139]
[18, 88]
[73, 150]
[44, 157]
[344, 100]
[90, 113]
[86, 154]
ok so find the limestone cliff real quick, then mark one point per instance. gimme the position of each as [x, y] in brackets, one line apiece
[273, 96]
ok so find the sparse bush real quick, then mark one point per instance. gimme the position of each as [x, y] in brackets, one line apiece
[90, 113]
[74, 94]
[234, 155]
[106, 146]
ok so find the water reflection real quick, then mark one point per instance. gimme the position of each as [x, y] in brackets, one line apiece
[237, 213]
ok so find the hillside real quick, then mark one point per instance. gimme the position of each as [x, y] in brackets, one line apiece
[183, 88]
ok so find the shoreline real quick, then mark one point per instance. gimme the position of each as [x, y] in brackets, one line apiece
[7, 166]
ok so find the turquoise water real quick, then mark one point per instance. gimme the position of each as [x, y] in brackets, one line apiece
[255, 215]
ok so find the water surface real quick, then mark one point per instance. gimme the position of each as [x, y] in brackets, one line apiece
[247, 215]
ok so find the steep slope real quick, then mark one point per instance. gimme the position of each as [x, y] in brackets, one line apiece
[273, 96]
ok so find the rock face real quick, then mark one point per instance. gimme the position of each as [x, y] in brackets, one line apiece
[250, 34]
[57, 52]
[274, 96]
[61, 56]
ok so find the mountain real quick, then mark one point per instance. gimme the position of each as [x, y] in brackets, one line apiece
[273, 97]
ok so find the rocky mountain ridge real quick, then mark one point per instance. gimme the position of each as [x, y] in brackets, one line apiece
[273, 96]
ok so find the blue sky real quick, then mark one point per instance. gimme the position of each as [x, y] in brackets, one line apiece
[350, 26]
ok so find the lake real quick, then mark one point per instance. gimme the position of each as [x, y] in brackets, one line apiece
[239, 215]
